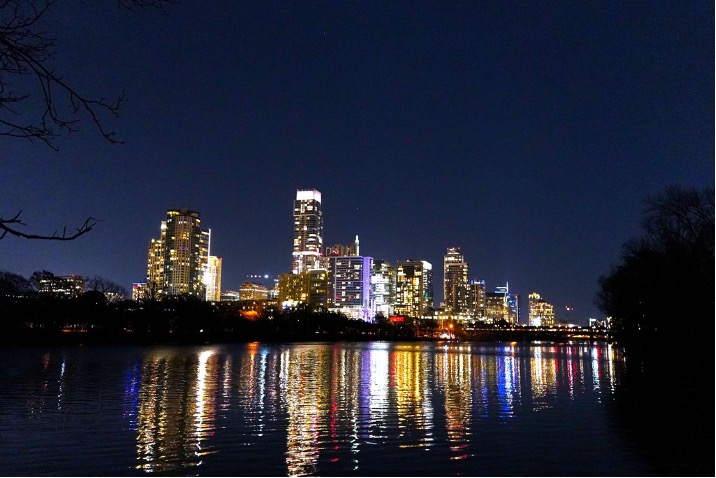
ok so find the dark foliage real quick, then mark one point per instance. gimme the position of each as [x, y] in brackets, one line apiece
[665, 282]
[45, 318]
[14, 285]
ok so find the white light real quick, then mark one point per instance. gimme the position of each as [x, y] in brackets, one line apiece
[307, 195]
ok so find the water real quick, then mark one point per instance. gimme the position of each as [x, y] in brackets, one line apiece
[314, 409]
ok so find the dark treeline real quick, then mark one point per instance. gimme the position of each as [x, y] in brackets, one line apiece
[90, 318]
[664, 285]
[660, 298]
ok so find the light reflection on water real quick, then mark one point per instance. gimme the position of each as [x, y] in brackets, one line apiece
[365, 408]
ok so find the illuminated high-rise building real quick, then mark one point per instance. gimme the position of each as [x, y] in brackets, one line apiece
[541, 311]
[307, 231]
[414, 288]
[178, 260]
[501, 305]
[382, 282]
[155, 264]
[350, 285]
[476, 298]
[212, 279]
[307, 288]
[456, 280]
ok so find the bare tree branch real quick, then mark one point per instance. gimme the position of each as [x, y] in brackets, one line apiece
[25, 50]
[9, 226]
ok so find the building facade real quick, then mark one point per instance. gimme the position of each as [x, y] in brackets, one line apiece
[350, 285]
[253, 291]
[67, 287]
[230, 296]
[307, 231]
[476, 299]
[212, 279]
[541, 311]
[307, 288]
[414, 288]
[344, 250]
[501, 305]
[455, 281]
[382, 281]
[178, 260]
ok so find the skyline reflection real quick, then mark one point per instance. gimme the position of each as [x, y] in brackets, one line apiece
[334, 404]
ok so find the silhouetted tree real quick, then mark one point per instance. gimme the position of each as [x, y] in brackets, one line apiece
[111, 290]
[37, 276]
[14, 285]
[11, 226]
[665, 281]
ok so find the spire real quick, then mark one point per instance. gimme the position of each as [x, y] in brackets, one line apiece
[357, 246]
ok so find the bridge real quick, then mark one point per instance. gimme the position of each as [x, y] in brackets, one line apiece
[531, 334]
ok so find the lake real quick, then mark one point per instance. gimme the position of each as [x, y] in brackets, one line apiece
[374, 408]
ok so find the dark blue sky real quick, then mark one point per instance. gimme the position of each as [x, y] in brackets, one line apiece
[526, 133]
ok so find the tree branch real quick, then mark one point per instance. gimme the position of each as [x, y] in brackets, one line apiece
[8, 226]
[25, 48]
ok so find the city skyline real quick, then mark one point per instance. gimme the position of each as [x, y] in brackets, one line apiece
[527, 135]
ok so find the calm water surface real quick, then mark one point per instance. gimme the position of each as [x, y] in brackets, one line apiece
[313, 409]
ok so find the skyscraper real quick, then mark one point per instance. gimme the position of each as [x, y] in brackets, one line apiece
[476, 298]
[178, 259]
[383, 284]
[414, 288]
[455, 280]
[212, 279]
[350, 286]
[502, 305]
[307, 230]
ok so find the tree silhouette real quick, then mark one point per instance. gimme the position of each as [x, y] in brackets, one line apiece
[10, 226]
[665, 281]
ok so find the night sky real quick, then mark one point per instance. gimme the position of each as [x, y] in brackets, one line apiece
[526, 133]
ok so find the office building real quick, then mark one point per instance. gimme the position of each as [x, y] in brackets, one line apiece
[307, 231]
[414, 288]
[67, 287]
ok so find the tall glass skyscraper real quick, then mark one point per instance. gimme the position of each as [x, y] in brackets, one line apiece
[307, 231]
